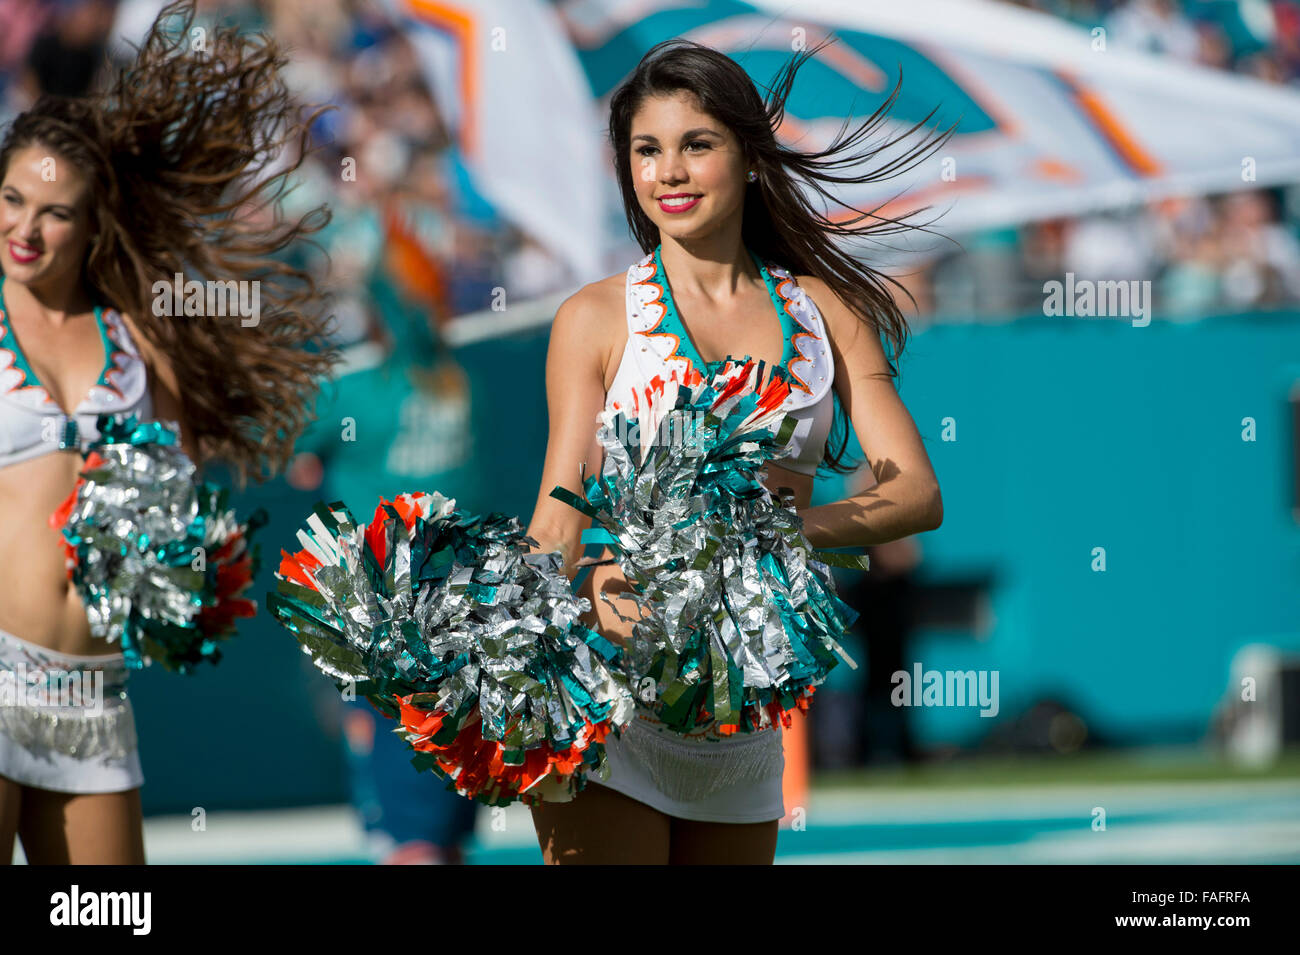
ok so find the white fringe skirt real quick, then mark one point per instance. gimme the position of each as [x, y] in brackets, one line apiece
[733, 779]
[65, 721]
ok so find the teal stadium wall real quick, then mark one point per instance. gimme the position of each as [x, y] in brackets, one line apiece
[1071, 434]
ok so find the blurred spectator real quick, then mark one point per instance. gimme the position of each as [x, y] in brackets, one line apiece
[983, 278]
[69, 51]
[21, 21]
[1286, 22]
[1262, 258]
[1154, 26]
[1111, 246]
[531, 270]
[414, 243]
[1214, 49]
[411, 195]
[856, 721]
[397, 418]
[1185, 235]
[1044, 251]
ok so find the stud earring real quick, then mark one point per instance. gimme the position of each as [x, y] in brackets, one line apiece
[752, 176]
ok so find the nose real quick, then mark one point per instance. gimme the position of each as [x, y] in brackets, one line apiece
[23, 227]
[672, 169]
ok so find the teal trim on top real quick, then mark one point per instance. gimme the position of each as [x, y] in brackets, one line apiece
[109, 347]
[20, 360]
[686, 346]
[10, 341]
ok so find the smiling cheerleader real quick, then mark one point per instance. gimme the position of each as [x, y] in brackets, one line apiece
[721, 638]
[101, 201]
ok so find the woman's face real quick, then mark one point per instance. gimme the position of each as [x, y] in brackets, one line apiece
[679, 151]
[44, 218]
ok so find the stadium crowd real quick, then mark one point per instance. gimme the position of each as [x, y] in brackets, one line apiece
[418, 201]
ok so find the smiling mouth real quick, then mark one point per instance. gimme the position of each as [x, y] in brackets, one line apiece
[678, 202]
[23, 253]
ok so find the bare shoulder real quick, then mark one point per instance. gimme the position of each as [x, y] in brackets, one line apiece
[591, 320]
[842, 324]
[164, 383]
[593, 302]
[157, 361]
[154, 359]
[857, 351]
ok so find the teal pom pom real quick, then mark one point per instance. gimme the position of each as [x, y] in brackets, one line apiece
[158, 556]
[739, 616]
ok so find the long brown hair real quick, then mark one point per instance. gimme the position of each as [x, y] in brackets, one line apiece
[178, 150]
[780, 224]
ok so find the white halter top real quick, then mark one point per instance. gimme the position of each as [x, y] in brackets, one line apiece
[32, 423]
[659, 345]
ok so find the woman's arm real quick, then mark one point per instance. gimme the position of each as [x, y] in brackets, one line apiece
[575, 395]
[906, 498]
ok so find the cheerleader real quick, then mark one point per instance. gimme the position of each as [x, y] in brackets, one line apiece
[736, 262]
[102, 203]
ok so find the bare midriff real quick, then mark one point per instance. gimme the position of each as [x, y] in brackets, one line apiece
[38, 602]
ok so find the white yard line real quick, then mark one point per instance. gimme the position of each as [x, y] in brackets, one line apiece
[330, 833]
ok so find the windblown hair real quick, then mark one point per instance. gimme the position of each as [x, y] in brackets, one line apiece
[179, 149]
[779, 223]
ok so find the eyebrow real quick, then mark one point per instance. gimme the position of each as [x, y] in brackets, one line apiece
[54, 205]
[689, 134]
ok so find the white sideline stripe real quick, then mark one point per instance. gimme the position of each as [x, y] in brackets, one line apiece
[485, 324]
[1222, 842]
[321, 833]
[310, 834]
[328, 833]
[865, 805]
[334, 831]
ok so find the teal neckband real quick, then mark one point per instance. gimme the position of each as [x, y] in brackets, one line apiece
[673, 323]
[10, 342]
